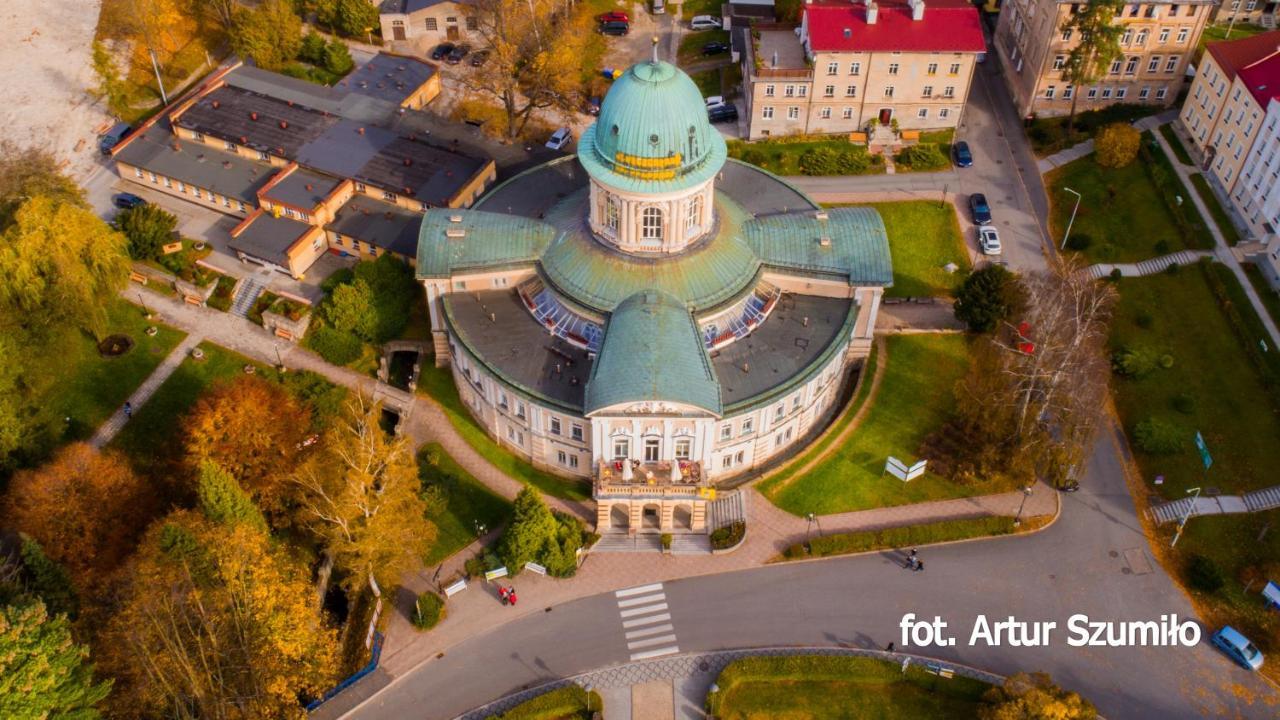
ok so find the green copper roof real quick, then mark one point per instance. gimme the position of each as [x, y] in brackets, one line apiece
[478, 240]
[858, 248]
[652, 351]
[653, 134]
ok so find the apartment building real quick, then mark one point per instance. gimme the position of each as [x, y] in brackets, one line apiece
[419, 25]
[1251, 12]
[1159, 41]
[849, 63]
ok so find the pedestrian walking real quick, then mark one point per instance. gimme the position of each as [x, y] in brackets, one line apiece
[128, 410]
[919, 566]
[889, 648]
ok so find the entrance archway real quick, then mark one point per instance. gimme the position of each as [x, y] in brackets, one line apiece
[682, 518]
[651, 517]
[619, 517]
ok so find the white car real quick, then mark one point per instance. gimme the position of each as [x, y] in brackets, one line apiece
[714, 102]
[988, 240]
[560, 138]
[705, 22]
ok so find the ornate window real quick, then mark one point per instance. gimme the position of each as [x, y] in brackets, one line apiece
[621, 448]
[611, 213]
[684, 448]
[651, 224]
[693, 217]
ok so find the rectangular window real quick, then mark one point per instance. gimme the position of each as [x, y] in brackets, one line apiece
[360, 187]
[748, 426]
[573, 459]
[502, 400]
[927, 91]
[825, 113]
[1049, 91]
[684, 448]
[769, 90]
[1161, 93]
[779, 412]
[1154, 64]
[726, 431]
[1131, 67]
[888, 91]
[652, 450]
[955, 69]
[1115, 66]
[793, 113]
[231, 146]
[1127, 37]
[851, 91]
[1067, 92]
[1066, 36]
[1121, 92]
[944, 113]
[1106, 93]
[621, 448]
[893, 68]
[1059, 61]
[931, 69]
[473, 24]
[802, 91]
[263, 155]
[431, 25]
[949, 91]
[766, 113]
[829, 91]
[575, 432]
[1164, 36]
[922, 113]
[1171, 64]
[137, 172]
[833, 68]
[554, 426]
[789, 91]
[855, 68]
[1093, 93]
[1182, 34]
[847, 113]
[196, 191]
[739, 456]
[388, 196]
[726, 462]
[562, 457]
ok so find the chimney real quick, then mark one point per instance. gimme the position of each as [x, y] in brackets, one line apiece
[917, 9]
[216, 104]
[284, 124]
[253, 116]
[872, 11]
[360, 130]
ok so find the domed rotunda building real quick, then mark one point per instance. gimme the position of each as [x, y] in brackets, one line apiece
[649, 314]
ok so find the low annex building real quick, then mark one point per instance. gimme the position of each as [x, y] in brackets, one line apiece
[650, 314]
[310, 169]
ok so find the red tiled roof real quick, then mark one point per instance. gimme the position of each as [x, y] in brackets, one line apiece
[947, 26]
[1231, 55]
[1262, 78]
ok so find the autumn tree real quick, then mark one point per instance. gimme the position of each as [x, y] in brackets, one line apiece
[359, 496]
[1117, 145]
[29, 172]
[253, 429]
[43, 673]
[1097, 39]
[221, 12]
[214, 621]
[110, 85]
[271, 34]
[534, 58]
[351, 18]
[1034, 697]
[82, 507]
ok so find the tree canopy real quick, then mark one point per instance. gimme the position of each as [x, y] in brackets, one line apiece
[350, 18]
[222, 500]
[1034, 697]
[271, 34]
[147, 228]
[43, 673]
[988, 296]
[1097, 45]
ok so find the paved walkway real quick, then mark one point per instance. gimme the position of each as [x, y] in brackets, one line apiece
[107, 430]
[1256, 501]
[1149, 267]
[1079, 150]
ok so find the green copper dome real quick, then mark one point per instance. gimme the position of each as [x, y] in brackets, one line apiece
[653, 134]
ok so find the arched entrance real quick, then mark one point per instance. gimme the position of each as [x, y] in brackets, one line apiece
[619, 517]
[682, 518]
[651, 517]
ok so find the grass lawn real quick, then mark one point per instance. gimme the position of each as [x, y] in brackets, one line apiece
[783, 158]
[923, 237]
[1220, 217]
[1122, 211]
[438, 384]
[693, 8]
[88, 387]
[914, 399]
[691, 45]
[466, 502]
[827, 688]
[566, 703]
[1214, 33]
[708, 82]
[1270, 298]
[1229, 400]
[908, 536]
[1179, 150]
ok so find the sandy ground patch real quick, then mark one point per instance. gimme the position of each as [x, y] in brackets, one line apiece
[46, 72]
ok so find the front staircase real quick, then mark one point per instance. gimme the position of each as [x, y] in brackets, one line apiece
[246, 295]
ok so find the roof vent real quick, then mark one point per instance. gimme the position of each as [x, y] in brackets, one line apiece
[284, 124]
[253, 116]
[176, 147]
[244, 140]
[226, 164]
[455, 218]
[820, 215]
[400, 68]
[408, 162]
[825, 241]
[200, 157]
[456, 233]
[216, 104]
[310, 187]
[848, 33]
[360, 130]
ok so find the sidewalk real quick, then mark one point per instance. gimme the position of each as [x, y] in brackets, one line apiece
[1079, 150]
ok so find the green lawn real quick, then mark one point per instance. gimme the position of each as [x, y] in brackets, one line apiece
[691, 45]
[708, 82]
[1214, 33]
[845, 688]
[904, 536]
[1179, 150]
[1218, 367]
[1123, 211]
[1220, 217]
[438, 384]
[924, 236]
[567, 703]
[87, 387]
[913, 400]
[467, 501]
[782, 157]
[1270, 298]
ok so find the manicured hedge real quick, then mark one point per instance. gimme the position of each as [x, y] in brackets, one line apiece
[566, 702]
[864, 541]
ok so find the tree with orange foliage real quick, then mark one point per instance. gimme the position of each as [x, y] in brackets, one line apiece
[84, 507]
[252, 428]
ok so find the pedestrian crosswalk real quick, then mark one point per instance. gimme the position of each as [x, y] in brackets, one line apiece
[646, 622]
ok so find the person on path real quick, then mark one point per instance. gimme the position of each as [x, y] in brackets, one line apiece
[889, 648]
[919, 565]
[128, 410]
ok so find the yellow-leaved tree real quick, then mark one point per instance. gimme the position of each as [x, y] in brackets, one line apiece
[1034, 697]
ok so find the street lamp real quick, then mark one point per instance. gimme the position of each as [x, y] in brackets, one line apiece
[1026, 493]
[145, 310]
[587, 689]
[1195, 493]
[1070, 222]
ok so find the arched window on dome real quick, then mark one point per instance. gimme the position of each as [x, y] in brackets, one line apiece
[651, 226]
[693, 218]
[611, 213]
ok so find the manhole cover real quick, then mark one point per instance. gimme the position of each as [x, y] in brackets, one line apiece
[1137, 561]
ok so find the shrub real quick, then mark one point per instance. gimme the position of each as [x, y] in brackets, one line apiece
[1079, 242]
[1158, 436]
[728, 536]
[1203, 574]
[922, 156]
[312, 49]
[1133, 362]
[1144, 320]
[1116, 274]
[1184, 403]
[905, 536]
[1173, 269]
[428, 611]
[147, 228]
[852, 160]
[819, 161]
[667, 539]
[988, 296]
[337, 58]
[474, 566]
[334, 346]
[754, 156]
[1116, 145]
[1162, 247]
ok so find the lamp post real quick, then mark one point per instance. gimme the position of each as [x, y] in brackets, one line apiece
[587, 689]
[1195, 493]
[1072, 221]
[145, 310]
[1026, 493]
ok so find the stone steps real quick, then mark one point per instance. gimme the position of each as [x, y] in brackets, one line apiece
[1264, 499]
[246, 295]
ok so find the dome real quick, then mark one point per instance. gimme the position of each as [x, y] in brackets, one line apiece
[653, 133]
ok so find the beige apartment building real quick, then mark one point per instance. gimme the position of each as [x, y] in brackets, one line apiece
[419, 25]
[1158, 42]
[1251, 12]
[849, 63]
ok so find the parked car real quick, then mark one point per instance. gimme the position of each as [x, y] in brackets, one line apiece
[112, 137]
[723, 113]
[125, 201]
[715, 48]
[442, 50]
[457, 53]
[615, 28]
[988, 240]
[560, 138]
[979, 208]
[704, 22]
[1238, 648]
[479, 58]
[714, 100]
[614, 16]
[964, 157]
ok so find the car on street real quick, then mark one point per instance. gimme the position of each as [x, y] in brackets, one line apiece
[442, 50]
[979, 209]
[1238, 648]
[704, 22]
[479, 58]
[614, 27]
[715, 48]
[457, 53]
[560, 138]
[112, 137]
[714, 100]
[723, 113]
[126, 201]
[964, 156]
[613, 16]
[988, 240]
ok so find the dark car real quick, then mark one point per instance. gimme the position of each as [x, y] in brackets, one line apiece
[126, 201]
[457, 53]
[979, 208]
[614, 16]
[112, 137]
[441, 51]
[964, 158]
[614, 27]
[723, 113]
[479, 58]
[715, 48]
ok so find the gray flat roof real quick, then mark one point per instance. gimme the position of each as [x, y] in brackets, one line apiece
[534, 192]
[335, 100]
[518, 346]
[780, 347]
[281, 127]
[390, 78]
[196, 164]
[386, 225]
[268, 237]
[759, 192]
[303, 188]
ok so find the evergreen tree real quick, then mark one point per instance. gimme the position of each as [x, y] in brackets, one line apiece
[531, 529]
[223, 501]
[43, 673]
[988, 296]
[48, 580]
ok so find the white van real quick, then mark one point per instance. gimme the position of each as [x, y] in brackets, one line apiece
[659, 7]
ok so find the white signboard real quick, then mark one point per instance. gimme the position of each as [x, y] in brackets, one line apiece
[495, 574]
[455, 588]
[896, 468]
[916, 470]
[535, 567]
